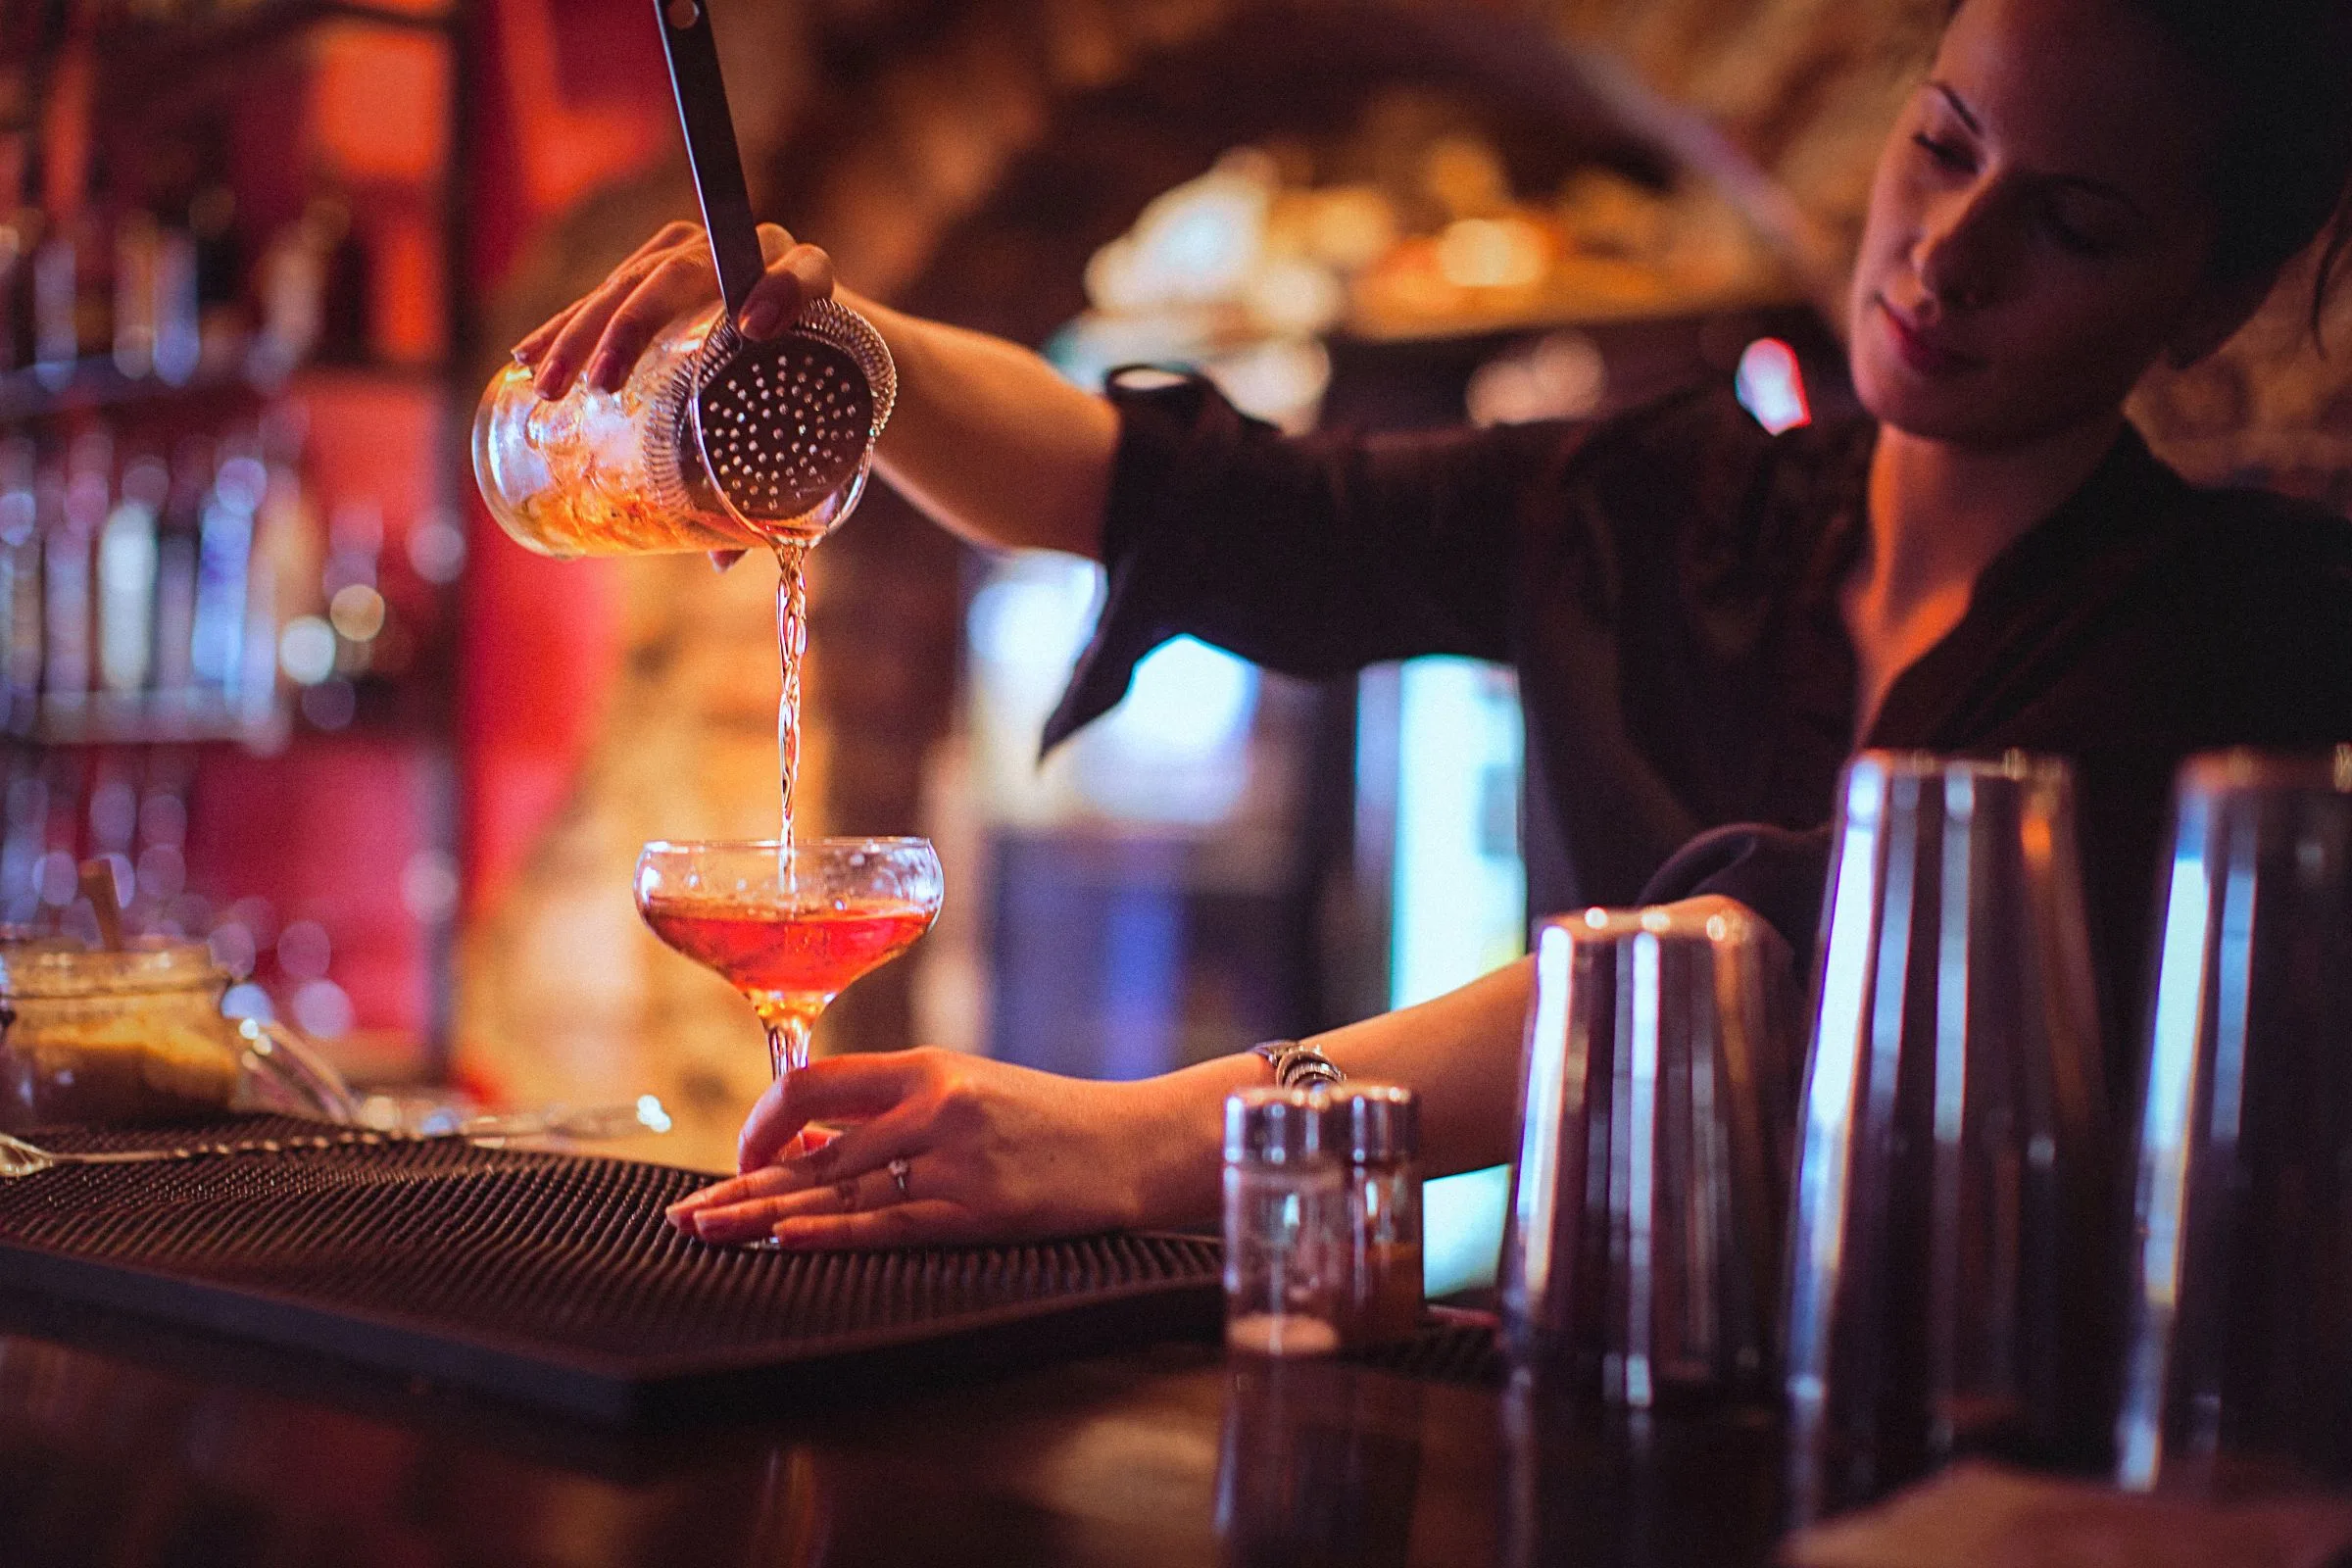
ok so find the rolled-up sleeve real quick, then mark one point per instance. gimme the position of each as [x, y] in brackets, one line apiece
[1313, 554]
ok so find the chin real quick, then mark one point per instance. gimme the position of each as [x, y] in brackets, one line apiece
[1925, 419]
[1961, 411]
[1977, 418]
[1937, 413]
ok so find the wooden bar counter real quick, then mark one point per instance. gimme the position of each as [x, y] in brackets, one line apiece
[124, 1445]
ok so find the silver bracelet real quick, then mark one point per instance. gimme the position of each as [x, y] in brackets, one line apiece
[1297, 1066]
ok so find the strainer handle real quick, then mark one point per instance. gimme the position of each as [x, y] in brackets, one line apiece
[710, 147]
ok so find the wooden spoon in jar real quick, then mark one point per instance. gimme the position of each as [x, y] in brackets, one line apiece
[98, 886]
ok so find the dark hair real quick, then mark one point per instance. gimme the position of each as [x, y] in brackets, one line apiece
[2285, 71]
[2281, 71]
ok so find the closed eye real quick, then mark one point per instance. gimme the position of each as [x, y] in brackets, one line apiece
[2070, 236]
[1944, 154]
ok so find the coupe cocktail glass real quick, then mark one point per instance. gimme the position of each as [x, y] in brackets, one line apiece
[789, 927]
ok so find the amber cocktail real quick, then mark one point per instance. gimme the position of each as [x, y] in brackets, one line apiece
[789, 927]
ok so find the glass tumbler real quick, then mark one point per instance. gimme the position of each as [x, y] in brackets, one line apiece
[1643, 1251]
[575, 475]
[2240, 1299]
[1951, 1224]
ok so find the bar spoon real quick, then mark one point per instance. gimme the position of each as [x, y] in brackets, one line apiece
[643, 1114]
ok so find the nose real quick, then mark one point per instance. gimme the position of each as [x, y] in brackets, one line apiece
[1962, 249]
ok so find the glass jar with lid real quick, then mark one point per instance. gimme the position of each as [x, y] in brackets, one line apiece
[137, 1034]
[1376, 1130]
[1285, 1264]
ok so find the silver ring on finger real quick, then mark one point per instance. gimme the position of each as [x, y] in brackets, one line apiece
[897, 1174]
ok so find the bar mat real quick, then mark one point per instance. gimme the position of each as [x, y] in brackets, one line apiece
[551, 1279]
[1443, 1351]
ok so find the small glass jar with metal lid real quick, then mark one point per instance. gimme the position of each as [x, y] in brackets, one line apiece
[1376, 1130]
[1284, 1206]
[136, 1034]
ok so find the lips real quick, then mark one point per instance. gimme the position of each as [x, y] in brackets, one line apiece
[1923, 349]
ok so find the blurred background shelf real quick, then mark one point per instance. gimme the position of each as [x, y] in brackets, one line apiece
[233, 283]
[87, 385]
[156, 718]
[153, 66]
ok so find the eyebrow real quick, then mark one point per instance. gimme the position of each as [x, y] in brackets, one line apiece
[2081, 182]
[1958, 107]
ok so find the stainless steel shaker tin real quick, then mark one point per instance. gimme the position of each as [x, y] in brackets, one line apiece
[1642, 1253]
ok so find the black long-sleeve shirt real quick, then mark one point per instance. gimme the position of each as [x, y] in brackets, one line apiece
[1665, 583]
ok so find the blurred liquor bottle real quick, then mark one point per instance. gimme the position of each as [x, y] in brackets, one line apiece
[312, 287]
[74, 280]
[284, 581]
[20, 238]
[19, 586]
[138, 252]
[178, 538]
[224, 322]
[175, 311]
[127, 578]
[55, 328]
[224, 568]
[70, 502]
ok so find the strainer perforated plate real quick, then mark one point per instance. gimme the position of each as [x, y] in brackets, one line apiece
[551, 1279]
[785, 424]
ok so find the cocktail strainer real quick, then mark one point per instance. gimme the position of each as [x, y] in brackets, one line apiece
[779, 433]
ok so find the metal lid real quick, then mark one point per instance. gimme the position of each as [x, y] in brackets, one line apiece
[1268, 1126]
[2243, 769]
[1372, 1123]
[60, 968]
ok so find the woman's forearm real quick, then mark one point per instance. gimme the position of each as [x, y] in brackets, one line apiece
[990, 440]
[1459, 1054]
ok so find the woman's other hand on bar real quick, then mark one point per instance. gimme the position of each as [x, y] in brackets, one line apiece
[607, 329]
[989, 1151]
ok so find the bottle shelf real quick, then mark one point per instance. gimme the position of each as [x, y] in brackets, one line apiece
[144, 110]
[149, 719]
[43, 392]
[197, 717]
[153, 66]
[250, 23]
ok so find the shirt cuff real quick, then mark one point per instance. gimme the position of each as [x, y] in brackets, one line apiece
[1778, 872]
[1174, 430]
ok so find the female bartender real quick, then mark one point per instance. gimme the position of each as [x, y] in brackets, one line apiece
[1705, 619]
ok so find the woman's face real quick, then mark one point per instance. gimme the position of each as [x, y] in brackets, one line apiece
[2038, 225]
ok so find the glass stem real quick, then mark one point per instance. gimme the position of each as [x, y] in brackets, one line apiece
[787, 1042]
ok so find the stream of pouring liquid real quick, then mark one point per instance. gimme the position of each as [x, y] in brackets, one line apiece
[792, 642]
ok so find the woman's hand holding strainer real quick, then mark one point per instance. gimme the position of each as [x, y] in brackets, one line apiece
[610, 327]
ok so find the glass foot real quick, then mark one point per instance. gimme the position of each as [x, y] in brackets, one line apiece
[760, 1243]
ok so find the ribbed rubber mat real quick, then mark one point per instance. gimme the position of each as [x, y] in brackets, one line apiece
[552, 1278]
[1442, 1353]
